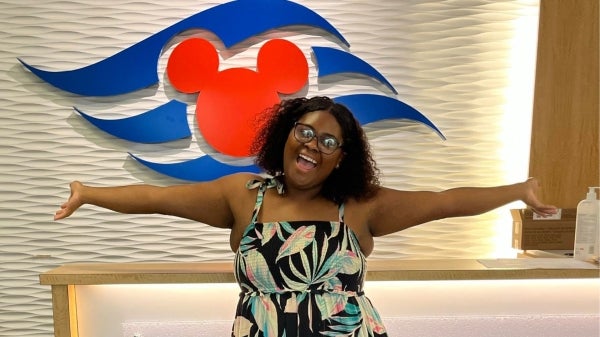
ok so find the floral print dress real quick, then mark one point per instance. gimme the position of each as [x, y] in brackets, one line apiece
[301, 278]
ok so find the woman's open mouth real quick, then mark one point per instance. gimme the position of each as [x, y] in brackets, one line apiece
[305, 162]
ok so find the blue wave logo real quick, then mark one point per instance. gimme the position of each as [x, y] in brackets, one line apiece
[281, 69]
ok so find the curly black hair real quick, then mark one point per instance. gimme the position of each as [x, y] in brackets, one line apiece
[357, 176]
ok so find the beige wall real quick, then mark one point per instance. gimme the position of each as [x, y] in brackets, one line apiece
[564, 143]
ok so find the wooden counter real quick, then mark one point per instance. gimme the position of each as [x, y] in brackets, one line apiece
[64, 279]
[222, 272]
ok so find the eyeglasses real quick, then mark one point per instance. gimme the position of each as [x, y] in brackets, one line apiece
[326, 143]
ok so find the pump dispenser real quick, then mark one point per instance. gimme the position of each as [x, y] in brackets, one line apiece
[587, 227]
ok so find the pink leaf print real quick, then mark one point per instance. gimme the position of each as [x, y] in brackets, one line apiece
[301, 238]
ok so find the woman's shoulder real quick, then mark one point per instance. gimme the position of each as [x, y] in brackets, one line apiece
[243, 176]
[366, 205]
[239, 180]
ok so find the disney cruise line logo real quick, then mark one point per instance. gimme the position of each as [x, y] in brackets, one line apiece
[228, 100]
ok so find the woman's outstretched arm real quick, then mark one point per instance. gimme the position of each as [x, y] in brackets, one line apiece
[394, 210]
[207, 202]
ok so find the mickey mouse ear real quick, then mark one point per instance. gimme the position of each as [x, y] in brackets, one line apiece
[284, 65]
[192, 64]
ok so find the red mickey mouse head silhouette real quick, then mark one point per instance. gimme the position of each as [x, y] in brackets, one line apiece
[229, 100]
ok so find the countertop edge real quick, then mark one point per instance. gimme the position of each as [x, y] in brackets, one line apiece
[222, 272]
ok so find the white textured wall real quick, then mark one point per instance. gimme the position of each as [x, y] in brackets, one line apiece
[452, 60]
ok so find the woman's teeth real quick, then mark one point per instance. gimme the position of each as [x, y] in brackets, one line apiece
[306, 161]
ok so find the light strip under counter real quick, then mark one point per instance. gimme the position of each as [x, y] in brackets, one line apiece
[179, 295]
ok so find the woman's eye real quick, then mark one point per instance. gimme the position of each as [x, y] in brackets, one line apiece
[307, 133]
[329, 142]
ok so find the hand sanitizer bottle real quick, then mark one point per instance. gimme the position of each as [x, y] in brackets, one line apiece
[587, 227]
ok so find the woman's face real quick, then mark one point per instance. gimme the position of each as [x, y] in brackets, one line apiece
[305, 165]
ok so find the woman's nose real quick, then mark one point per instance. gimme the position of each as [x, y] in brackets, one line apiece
[313, 144]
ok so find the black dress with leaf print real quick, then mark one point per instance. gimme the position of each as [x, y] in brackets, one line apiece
[301, 278]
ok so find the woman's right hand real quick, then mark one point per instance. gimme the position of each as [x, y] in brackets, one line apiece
[72, 204]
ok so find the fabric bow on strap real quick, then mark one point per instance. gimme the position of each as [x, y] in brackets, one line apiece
[268, 182]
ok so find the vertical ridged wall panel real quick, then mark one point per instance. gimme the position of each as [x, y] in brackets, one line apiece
[449, 59]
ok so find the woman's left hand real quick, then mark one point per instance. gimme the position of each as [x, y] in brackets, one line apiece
[532, 187]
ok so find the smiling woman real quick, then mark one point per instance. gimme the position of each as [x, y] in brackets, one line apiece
[356, 172]
[300, 262]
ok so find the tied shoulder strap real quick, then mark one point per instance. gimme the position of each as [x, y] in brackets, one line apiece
[262, 186]
[270, 182]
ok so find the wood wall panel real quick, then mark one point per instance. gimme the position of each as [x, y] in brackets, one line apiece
[564, 143]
